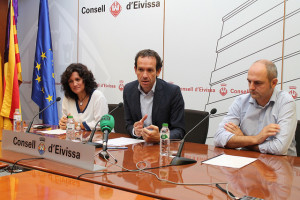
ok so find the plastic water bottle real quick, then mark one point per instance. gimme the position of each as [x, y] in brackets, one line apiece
[17, 121]
[164, 140]
[70, 130]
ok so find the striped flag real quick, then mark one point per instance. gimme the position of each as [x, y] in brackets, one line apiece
[43, 82]
[1, 95]
[11, 76]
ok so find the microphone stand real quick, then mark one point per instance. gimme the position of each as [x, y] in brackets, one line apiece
[178, 160]
[30, 124]
[98, 145]
[103, 153]
[118, 106]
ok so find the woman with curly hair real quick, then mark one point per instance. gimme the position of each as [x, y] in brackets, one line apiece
[86, 104]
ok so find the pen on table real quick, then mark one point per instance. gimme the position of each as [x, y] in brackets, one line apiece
[117, 147]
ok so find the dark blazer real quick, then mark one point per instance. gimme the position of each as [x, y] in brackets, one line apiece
[168, 107]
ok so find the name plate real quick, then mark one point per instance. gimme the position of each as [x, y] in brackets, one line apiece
[72, 153]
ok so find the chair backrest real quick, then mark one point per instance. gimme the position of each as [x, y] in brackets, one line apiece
[118, 114]
[193, 117]
[297, 138]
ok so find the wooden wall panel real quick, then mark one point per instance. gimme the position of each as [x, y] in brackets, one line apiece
[3, 16]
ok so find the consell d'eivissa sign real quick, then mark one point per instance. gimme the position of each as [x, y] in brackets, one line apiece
[72, 153]
[52, 148]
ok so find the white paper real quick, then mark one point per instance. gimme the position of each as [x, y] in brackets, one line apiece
[37, 125]
[229, 161]
[122, 141]
[54, 132]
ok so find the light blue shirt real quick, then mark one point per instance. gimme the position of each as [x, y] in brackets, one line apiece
[146, 101]
[252, 118]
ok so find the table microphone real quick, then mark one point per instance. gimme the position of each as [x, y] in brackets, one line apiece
[98, 145]
[107, 123]
[184, 161]
[120, 105]
[30, 124]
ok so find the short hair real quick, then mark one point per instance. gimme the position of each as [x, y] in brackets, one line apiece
[87, 76]
[149, 53]
[271, 68]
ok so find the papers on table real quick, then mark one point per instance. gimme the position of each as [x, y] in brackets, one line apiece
[54, 132]
[229, 161]
[122, 141]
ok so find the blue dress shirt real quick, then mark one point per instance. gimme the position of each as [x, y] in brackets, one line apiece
[252, 118]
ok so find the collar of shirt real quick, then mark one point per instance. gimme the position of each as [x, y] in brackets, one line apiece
[146, 101]
[151, 91]
[272, 99]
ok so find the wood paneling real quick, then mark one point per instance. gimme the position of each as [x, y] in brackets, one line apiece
[3, 16]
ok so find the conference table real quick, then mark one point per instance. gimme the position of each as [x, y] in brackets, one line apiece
[269, 177]
[51, 186]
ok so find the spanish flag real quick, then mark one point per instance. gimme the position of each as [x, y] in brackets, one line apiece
[11, 76]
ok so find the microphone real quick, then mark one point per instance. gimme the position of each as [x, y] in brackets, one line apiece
[107, 123]
[184, 161]
[98, 145]
[30, 124]
[120, 105]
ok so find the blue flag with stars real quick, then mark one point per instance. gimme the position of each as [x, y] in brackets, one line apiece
[43, 82]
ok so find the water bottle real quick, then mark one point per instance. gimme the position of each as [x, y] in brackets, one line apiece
[70, 130]
[17, 121]
[164, 140]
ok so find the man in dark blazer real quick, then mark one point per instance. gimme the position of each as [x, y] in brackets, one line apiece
[149, 101]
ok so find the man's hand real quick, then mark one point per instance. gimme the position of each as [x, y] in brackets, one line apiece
[266, 132]
[151, 134]
[138, 126]
[232, 128]
[63, 123]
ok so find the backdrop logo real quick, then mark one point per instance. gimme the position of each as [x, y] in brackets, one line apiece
[115, 9]
[293, 92]
[121, 85]
[223, 91]
[41, 148]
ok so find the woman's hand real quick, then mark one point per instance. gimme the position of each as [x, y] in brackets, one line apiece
[63, 123]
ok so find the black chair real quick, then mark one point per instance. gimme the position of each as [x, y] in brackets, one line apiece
[193, 117]
[118, 114]
[297, 138]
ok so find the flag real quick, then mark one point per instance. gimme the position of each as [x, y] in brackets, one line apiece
[43, 82]
[1, 95]
[11, 76]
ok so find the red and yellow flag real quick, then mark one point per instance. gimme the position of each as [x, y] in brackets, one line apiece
[1, 95]
[11, 76]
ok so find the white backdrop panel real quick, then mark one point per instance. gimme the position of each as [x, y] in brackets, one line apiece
[192, 42]
[108, 44]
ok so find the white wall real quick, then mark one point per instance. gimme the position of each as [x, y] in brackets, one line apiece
[207, 46]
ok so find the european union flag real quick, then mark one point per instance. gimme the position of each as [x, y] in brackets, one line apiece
[43, 82]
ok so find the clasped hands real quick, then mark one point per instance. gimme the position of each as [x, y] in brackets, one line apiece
[149, 133]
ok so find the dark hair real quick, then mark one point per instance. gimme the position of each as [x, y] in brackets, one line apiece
[271, 68]
[149, 53]
[87, 76]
